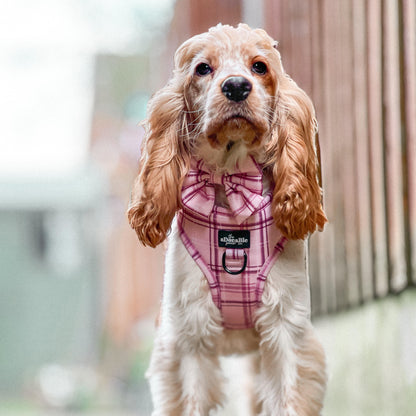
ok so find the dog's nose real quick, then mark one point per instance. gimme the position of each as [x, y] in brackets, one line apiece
[236, 88]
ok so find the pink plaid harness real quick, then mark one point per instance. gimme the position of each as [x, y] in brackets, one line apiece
[234, 247]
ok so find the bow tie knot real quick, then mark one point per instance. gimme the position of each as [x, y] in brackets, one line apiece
[243, 189]
[211, 177]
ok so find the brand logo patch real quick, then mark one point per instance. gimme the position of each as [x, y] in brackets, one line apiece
[234, 239]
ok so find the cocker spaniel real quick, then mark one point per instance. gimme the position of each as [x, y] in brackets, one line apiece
[229, 173]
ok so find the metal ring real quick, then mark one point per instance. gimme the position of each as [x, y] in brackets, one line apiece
[224, 266]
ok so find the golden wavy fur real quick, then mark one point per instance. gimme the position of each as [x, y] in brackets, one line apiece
[191, 117]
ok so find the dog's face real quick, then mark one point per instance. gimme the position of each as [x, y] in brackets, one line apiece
[229, 97]
[231, 90]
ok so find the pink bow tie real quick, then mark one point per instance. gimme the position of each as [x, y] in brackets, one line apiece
[243, 189]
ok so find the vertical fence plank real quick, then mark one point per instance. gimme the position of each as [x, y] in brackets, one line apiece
[300, 33]
[272, 16]
[333, 136]
[286, 46]
[319, 270]
[409, 91]
[346, 125]
[376, 147]
[278, 26]
[393, 147]
[361, 138]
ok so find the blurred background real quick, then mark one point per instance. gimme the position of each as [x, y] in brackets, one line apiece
[79, 295]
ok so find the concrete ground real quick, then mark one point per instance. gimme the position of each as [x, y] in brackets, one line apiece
[371, 353]
[372, 358]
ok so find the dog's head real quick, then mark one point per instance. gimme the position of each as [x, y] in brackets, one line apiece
[232, 77]
[229, 98]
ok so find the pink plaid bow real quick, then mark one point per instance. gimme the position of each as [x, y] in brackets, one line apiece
[243, 189]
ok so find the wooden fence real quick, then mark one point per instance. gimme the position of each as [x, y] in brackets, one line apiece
[357, 60]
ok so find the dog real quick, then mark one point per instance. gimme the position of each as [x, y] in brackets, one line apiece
[229, 174]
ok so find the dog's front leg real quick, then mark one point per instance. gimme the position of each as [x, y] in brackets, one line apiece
[184, 372]
[184, 383]
[292, 362]
[202, 384]
[163, 376]
[292, 375]
[278, 371]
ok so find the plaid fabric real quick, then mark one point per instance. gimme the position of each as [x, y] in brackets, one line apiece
[243, 189]
[200, 220]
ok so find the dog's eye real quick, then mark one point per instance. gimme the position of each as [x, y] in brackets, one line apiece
[203, 69]
[259, 68]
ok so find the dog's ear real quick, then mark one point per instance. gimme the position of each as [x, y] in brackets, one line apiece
[164, 163]
[165, 159]
[297, 199]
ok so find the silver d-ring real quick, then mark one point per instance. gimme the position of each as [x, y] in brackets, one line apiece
[224, 266]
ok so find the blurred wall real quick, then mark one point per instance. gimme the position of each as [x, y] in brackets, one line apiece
[133, 272]
[74, 85]
[50, 268]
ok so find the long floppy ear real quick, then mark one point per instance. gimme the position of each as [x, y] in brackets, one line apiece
[164, 163]
[297, 199]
